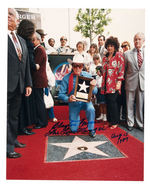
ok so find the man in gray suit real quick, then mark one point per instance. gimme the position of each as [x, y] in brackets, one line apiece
[18, 78]
[134, 82]
[101, 46]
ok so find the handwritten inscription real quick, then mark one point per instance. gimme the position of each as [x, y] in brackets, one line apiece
[60, 128]
[122, 137]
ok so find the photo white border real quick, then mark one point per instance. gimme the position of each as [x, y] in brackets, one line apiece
[3, 83]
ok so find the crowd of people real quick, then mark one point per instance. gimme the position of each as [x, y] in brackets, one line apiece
[117, 81]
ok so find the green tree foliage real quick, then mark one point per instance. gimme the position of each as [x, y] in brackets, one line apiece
[91, 22]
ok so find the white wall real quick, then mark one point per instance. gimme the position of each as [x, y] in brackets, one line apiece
[125, 23]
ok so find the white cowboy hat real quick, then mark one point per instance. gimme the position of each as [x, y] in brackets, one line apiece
[78, 58]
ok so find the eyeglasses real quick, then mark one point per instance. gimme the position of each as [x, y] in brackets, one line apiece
[123, 46]
[63, 39]
[77, 65]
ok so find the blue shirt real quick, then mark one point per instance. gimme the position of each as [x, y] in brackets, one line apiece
[63, 91]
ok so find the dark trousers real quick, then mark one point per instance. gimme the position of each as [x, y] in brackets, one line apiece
[40, 107]
[13, 108]
[27, 114]
[112, 108]
[122, 101]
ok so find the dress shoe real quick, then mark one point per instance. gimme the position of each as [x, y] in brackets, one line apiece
[29, 129]
[39, 127]
[27, 132]
[129, 128]
[20, 145]
[13, 155]
[92, 133]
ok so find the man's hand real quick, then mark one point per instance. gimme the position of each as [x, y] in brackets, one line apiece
[37, 66]
[28, 91]
[72, 98]
[93, 82]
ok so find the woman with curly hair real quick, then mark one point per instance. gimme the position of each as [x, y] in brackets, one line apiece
[113, 74]
[26, 29]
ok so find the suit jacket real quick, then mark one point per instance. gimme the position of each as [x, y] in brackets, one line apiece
[134, 75]
[39, 77]
[102, 52]
[18, 71]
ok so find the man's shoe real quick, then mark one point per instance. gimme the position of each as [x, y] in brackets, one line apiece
[13, 155]
[26, 132]
[129, 128]
[29, 129]
[39, 127]
[20, 145]
[92, 133]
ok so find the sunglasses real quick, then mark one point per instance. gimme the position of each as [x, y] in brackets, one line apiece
[63, 39]
[123, 46]
[77, 65]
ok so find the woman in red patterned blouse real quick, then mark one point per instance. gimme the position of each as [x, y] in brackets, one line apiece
[113, 74]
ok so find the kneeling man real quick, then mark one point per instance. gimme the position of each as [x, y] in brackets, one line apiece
[66, 93]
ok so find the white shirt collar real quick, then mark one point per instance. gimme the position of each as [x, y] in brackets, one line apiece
[9, 32]
[37, 46]
[141, 49]
[101, 46]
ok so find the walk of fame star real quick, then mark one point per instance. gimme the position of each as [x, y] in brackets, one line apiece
[78, 145]
[83, 86]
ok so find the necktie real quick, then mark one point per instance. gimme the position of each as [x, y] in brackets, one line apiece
[99, 49]
[70, 87]
[17, 46]
[140, 61]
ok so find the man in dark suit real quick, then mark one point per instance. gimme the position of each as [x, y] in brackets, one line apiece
[40, 81]
[18, 78]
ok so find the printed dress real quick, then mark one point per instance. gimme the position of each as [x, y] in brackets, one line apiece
[113, 71]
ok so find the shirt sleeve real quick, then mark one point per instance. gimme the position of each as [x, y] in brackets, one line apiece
[62, 95]
[95, 90]
[121, 67]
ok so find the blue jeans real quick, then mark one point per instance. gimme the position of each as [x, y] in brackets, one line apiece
[74, 114]
[51, 113]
